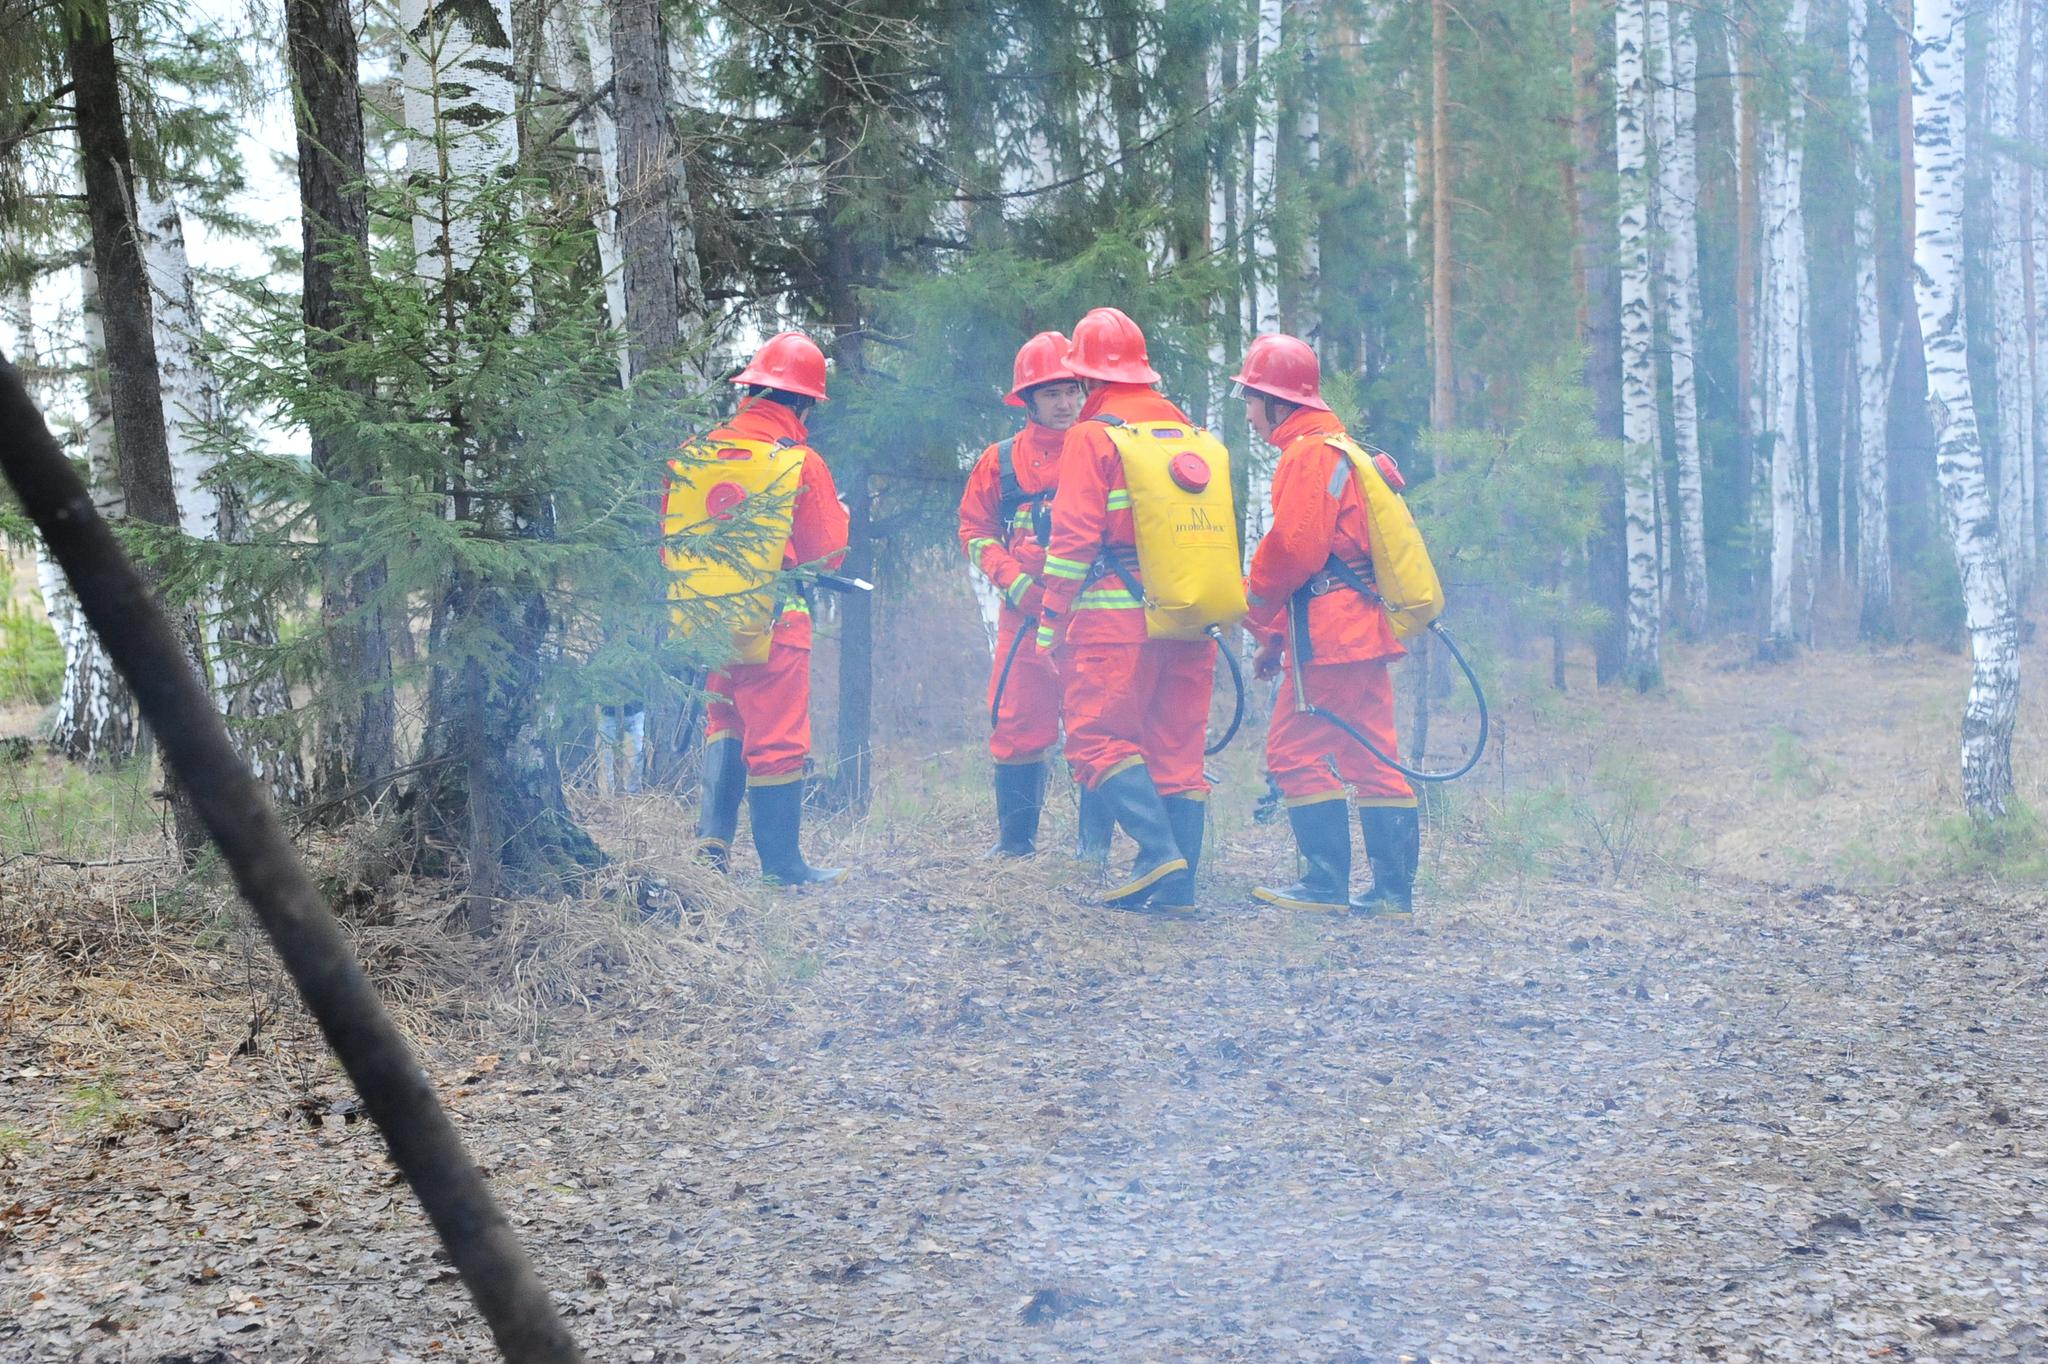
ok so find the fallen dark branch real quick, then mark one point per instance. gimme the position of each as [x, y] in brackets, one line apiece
[271, 878]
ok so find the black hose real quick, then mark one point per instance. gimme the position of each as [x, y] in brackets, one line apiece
[995, 704]
[1236, 680]
[1478, 694]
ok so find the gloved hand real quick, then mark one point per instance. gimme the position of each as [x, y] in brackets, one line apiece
[1266, 662]
[1025, 594]
[1048, 630]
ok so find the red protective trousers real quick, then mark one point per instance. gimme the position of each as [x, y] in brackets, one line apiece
[1133, 703]
[768, 706]
[1028, 721]
[1313, 760]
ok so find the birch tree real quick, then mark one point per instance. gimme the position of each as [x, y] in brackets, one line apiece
[1872, 387]
[1782, 318]
[1638, 369]
[2011, 326]
[229, 630]
[107, 168]
[1678, 202]
[1938, 141]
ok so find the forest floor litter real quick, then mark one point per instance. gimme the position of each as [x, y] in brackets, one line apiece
[950, 1112]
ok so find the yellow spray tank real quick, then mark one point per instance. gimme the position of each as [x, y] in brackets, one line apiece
[1188, 558]
[708, 486]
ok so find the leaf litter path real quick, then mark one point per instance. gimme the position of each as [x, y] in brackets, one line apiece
[1711, 1124]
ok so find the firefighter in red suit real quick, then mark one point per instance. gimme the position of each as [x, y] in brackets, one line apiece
[1319, 514]
[1136, 709]
[758, 721]
[1005, 521]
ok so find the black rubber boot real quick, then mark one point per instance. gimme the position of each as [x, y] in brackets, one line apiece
[1135, 802]
[1189, 818]
[1098, 825]
[1393, 845]
[1323, 833]
[724, 782]
[1020, 796]
[778, 815]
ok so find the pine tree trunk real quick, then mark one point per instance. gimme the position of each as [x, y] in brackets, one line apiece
[492, 787]
[841, 278]
[144, 456]
[230, 632]
[1607, 555]
[647, 192]
[2011, 326]
[1638, 368]
[96, 721]
[1873, 464]
[357, 739]
[1938, 136]
[1678, 192]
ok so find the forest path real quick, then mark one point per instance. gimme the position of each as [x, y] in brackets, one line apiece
[1701, 1123]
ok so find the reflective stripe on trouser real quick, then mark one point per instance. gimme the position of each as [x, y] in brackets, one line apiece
[768, 705]
[1028, 725]
[1300, 749]
[1131, 703]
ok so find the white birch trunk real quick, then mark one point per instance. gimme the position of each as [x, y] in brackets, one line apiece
[603, 134]
[459, 99]
[1265, 166]
[1308, 138]
[60, 607]
[192, 406]
[1783, 275]
[1873, 486]
[2037, 265]
[1938, 141]
[2012, 328]
[1678, 202]
[96, 720]
[1638, 368]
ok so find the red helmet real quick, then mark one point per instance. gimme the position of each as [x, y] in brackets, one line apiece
[791, 362]
[1041, 360]
[1108, 345]
[1282, 366]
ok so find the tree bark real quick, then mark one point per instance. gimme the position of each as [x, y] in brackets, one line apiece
[96, 721]
[1783, 290]
[1607, 555]
[1678, 197]
[144, 455]
[1873, 464]
[231, 630]
[1638, 368]
[1443, 400]
[1938, 137]
[841, 273]
[2011, 326]
[357, 740]
[647, 190]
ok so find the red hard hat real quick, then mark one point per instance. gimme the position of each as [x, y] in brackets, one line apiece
[1041, 360]
[1108, 345]
[1282, 366]
[791, 362]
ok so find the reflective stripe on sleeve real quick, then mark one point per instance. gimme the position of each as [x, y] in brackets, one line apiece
[1056, 567]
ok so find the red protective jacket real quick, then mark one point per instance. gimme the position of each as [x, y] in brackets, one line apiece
[1091, 511]
[1317, 509]
[817, 528]
[1010, 555]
